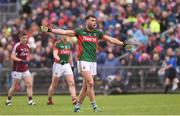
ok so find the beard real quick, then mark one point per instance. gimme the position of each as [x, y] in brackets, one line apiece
[91, 27]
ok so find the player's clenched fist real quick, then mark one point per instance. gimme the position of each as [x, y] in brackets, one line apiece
[129, 47]
[45, 29]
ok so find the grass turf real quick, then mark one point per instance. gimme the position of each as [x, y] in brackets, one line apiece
[143, 104]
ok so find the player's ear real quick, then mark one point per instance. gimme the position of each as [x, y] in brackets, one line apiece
[86, 22]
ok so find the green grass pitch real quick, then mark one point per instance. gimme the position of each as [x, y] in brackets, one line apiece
[142, 104]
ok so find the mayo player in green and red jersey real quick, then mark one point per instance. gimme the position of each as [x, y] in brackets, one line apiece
[62, 67]
[87, 44]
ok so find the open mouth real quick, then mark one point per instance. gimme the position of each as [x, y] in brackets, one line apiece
[94, 25]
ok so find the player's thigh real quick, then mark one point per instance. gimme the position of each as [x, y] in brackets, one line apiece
[55, 80]
[87, 76]
[57, 70]
[70, 79]
[27, 76]
[84, 85]
[83, 66]
[16, 75]
[15, 82]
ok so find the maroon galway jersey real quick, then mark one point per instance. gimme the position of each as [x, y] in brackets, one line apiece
[21, 52]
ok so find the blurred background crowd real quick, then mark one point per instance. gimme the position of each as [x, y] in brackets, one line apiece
[154, 23]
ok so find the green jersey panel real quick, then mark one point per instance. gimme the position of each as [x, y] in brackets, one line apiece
[87, 44]
[64, 51]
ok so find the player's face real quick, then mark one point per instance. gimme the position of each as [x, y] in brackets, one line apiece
[23, 39]
[92, 22]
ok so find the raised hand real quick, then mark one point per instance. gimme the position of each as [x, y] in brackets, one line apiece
[129, 47]
[45, 29]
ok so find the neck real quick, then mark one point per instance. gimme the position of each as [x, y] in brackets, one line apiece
[89, 29]
[64, 41]
[23, 43]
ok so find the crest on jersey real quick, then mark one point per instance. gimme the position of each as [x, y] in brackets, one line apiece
[62, 47]
[84, 32]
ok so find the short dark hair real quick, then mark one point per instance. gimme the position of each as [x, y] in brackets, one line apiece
[89, 16]
[22, 33]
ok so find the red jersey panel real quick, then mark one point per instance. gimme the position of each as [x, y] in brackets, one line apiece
[21, 52]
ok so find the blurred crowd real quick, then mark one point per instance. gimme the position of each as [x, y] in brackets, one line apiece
[7, 1]
[153, 23]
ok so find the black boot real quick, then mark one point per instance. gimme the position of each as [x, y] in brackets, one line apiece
[166, 88]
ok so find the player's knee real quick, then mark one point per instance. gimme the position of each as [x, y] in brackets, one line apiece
[55, 84]
[84, 87]
[71, 83]
[28, 85]
[90, 84]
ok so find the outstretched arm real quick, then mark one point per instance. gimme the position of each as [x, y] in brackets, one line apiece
[114, 40]
[57, 31]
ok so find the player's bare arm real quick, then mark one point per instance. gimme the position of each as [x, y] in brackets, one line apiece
[55, 54]
[113, 40]
[57, 31]
[14, 58]
[70, 59]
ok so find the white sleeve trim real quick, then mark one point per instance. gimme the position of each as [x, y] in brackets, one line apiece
[15, 47]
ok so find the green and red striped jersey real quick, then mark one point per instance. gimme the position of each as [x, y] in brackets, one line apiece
[64, 50]
[87, 44]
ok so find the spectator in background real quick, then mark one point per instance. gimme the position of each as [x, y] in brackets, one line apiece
[170, 71]
[172, 41]
[164, 21]
[152, 73]
[115, 84]
[1, 64]
[110, 62]
[7, 64]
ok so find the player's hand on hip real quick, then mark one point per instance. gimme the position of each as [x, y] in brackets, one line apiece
[62, 62]
[45, 29]
[24, 61]
[72, 67]
[57, 60]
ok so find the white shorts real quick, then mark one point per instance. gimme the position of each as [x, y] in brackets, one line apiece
[61, 70]
[87, 66]
[20, 75]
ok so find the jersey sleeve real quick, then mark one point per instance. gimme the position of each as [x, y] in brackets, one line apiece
[100, 34]
[77, 32]
[14, 51]
[56, 44]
